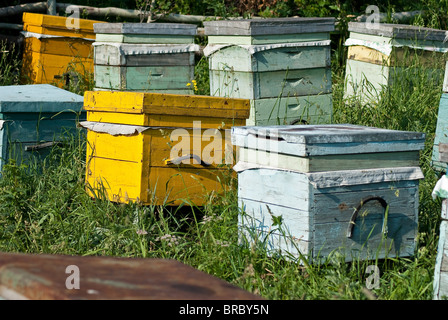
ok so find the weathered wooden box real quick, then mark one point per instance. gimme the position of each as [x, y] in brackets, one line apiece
[56, 45]
[158, 148]
[155, 57]
[440, 282]
[377, 56]
[440, 149]
[439, 158]
[316, 189]
[68, 277]
[33, 117]
[281, 65]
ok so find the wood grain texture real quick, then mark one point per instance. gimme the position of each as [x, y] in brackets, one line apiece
[399, 57]
[172, 132]
[237, 58]
[321, 219]
[268, 39]
[438, 159]
[271, 26]
[43, 277]
[166, 29]
[317, 109]
[139, 38]
[106, 54]
[330, 162]
[398, 31]
[143, 78]
[312, 140]
[166, 104]
[440, 282]
[271, 84]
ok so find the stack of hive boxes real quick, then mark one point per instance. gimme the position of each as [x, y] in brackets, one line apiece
[56, 45]
[281, 65]
[378, 54]
[156, 57]
[34, 117]
[310, 190]
[155, 148]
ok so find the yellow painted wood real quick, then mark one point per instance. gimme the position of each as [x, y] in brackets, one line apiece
[166, 104]
[136, 167]
[58, 25]
[156, 120]
[400, 56]
[40, 68]
[133, 168]
[60, 46]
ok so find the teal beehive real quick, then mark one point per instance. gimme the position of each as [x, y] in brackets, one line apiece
[34, 117]
[282, 65]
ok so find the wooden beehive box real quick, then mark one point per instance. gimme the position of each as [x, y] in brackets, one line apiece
[33, 117]
[160, 148]
[440, 282]
[313, 177]
[281, 65]
[155, 57]
[56, 45]
[439, 158]
[376, 56]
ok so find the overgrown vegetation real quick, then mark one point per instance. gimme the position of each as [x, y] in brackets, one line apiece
[44, 207]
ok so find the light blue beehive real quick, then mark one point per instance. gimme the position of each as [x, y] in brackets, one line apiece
[313, 177]
[34, 117]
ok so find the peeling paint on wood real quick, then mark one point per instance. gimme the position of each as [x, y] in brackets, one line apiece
[150, 178]
[316, 204]
[51, 48]
[35, 114]
[271, 58]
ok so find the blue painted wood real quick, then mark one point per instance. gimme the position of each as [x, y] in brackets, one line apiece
[438, 163]
[35, 114]
[317, 208]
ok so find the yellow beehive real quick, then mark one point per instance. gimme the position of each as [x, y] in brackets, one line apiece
[54, 45]
[156, 148]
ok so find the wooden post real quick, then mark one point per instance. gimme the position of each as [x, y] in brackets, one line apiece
[51, 7]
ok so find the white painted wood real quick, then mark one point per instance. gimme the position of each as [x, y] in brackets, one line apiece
[310, 140]
[445, 78]
[326, 216]
[398, 31]
[275, 26]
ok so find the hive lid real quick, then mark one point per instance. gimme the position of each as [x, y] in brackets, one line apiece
[58, 22]
[308, 140]
[38, 98]
[166, 104]
[253, 27]
[398, 31]
[146, 28]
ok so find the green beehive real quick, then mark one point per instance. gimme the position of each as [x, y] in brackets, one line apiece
[282, 65]
[155, 57]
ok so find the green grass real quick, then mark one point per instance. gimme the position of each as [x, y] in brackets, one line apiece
[44, 209]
